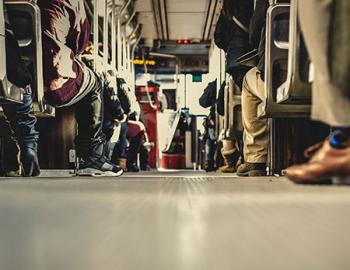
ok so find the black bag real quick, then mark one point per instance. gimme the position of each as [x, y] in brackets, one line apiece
[221, 100]
[221, 36]
[208, 98]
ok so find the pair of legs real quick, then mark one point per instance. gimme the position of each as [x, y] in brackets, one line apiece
[134, 133]
[210, 147]
[329, 104]
[256, 132]
[91, 141]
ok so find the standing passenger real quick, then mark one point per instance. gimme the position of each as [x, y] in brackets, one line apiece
[255, 135]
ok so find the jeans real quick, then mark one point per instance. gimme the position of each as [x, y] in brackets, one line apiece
[22, 120]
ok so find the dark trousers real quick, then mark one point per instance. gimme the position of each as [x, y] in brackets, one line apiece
[89, 114]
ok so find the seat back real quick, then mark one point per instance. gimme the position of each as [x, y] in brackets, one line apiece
[26, 23]
[9, 93]
[283, 94]
[297, 89]
[235, 110]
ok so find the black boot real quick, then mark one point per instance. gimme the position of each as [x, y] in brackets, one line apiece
[22, 121]
[29, 159]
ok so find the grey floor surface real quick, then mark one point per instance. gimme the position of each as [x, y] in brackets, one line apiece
[172, 221]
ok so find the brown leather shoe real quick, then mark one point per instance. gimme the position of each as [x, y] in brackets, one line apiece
[327, 163]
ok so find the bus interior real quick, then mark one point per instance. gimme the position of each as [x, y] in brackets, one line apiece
[172, 208]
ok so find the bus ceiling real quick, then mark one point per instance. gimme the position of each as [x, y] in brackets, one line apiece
[175, 26]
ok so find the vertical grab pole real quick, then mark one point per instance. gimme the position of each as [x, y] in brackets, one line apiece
[133, 58]
[95, 32]
[119, 43]
[124, 51]
[114, 39]
[105, 35]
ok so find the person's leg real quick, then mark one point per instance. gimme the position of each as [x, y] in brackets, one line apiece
[134, 149]
[90, 142]
[22, 122]
[209, 154]
[135, 135]
[144, 166]
[329, 104]
[256, 132]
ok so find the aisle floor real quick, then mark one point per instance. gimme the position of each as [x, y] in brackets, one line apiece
[172, 221]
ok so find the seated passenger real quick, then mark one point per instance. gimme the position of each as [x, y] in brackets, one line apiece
[208, 100]
[21, 117]
[255, 135]
[68, 81]
[133, 131]
[324, 33]
[232, 35]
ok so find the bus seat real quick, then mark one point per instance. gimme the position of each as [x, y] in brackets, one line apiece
[8, 93]
[278, 44]
[297, 88]
[235, 110]
[26, 24]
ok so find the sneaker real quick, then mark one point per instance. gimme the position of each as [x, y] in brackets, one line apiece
[98, 167]
[252, 169]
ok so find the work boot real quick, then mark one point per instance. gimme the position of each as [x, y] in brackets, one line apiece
[230, 161]
[252, 169]
[122, 163]
[29, 159]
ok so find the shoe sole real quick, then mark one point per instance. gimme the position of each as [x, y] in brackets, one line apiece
[325, 181]
[254, 173]
[97, 173]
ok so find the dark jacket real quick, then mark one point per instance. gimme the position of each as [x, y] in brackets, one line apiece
[221, 99]
[257, 31]
[123, 95]
[208, 98]
[112, 105]
[232, 37]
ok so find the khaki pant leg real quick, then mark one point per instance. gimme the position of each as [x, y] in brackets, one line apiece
[255, 135]
[328, 103]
